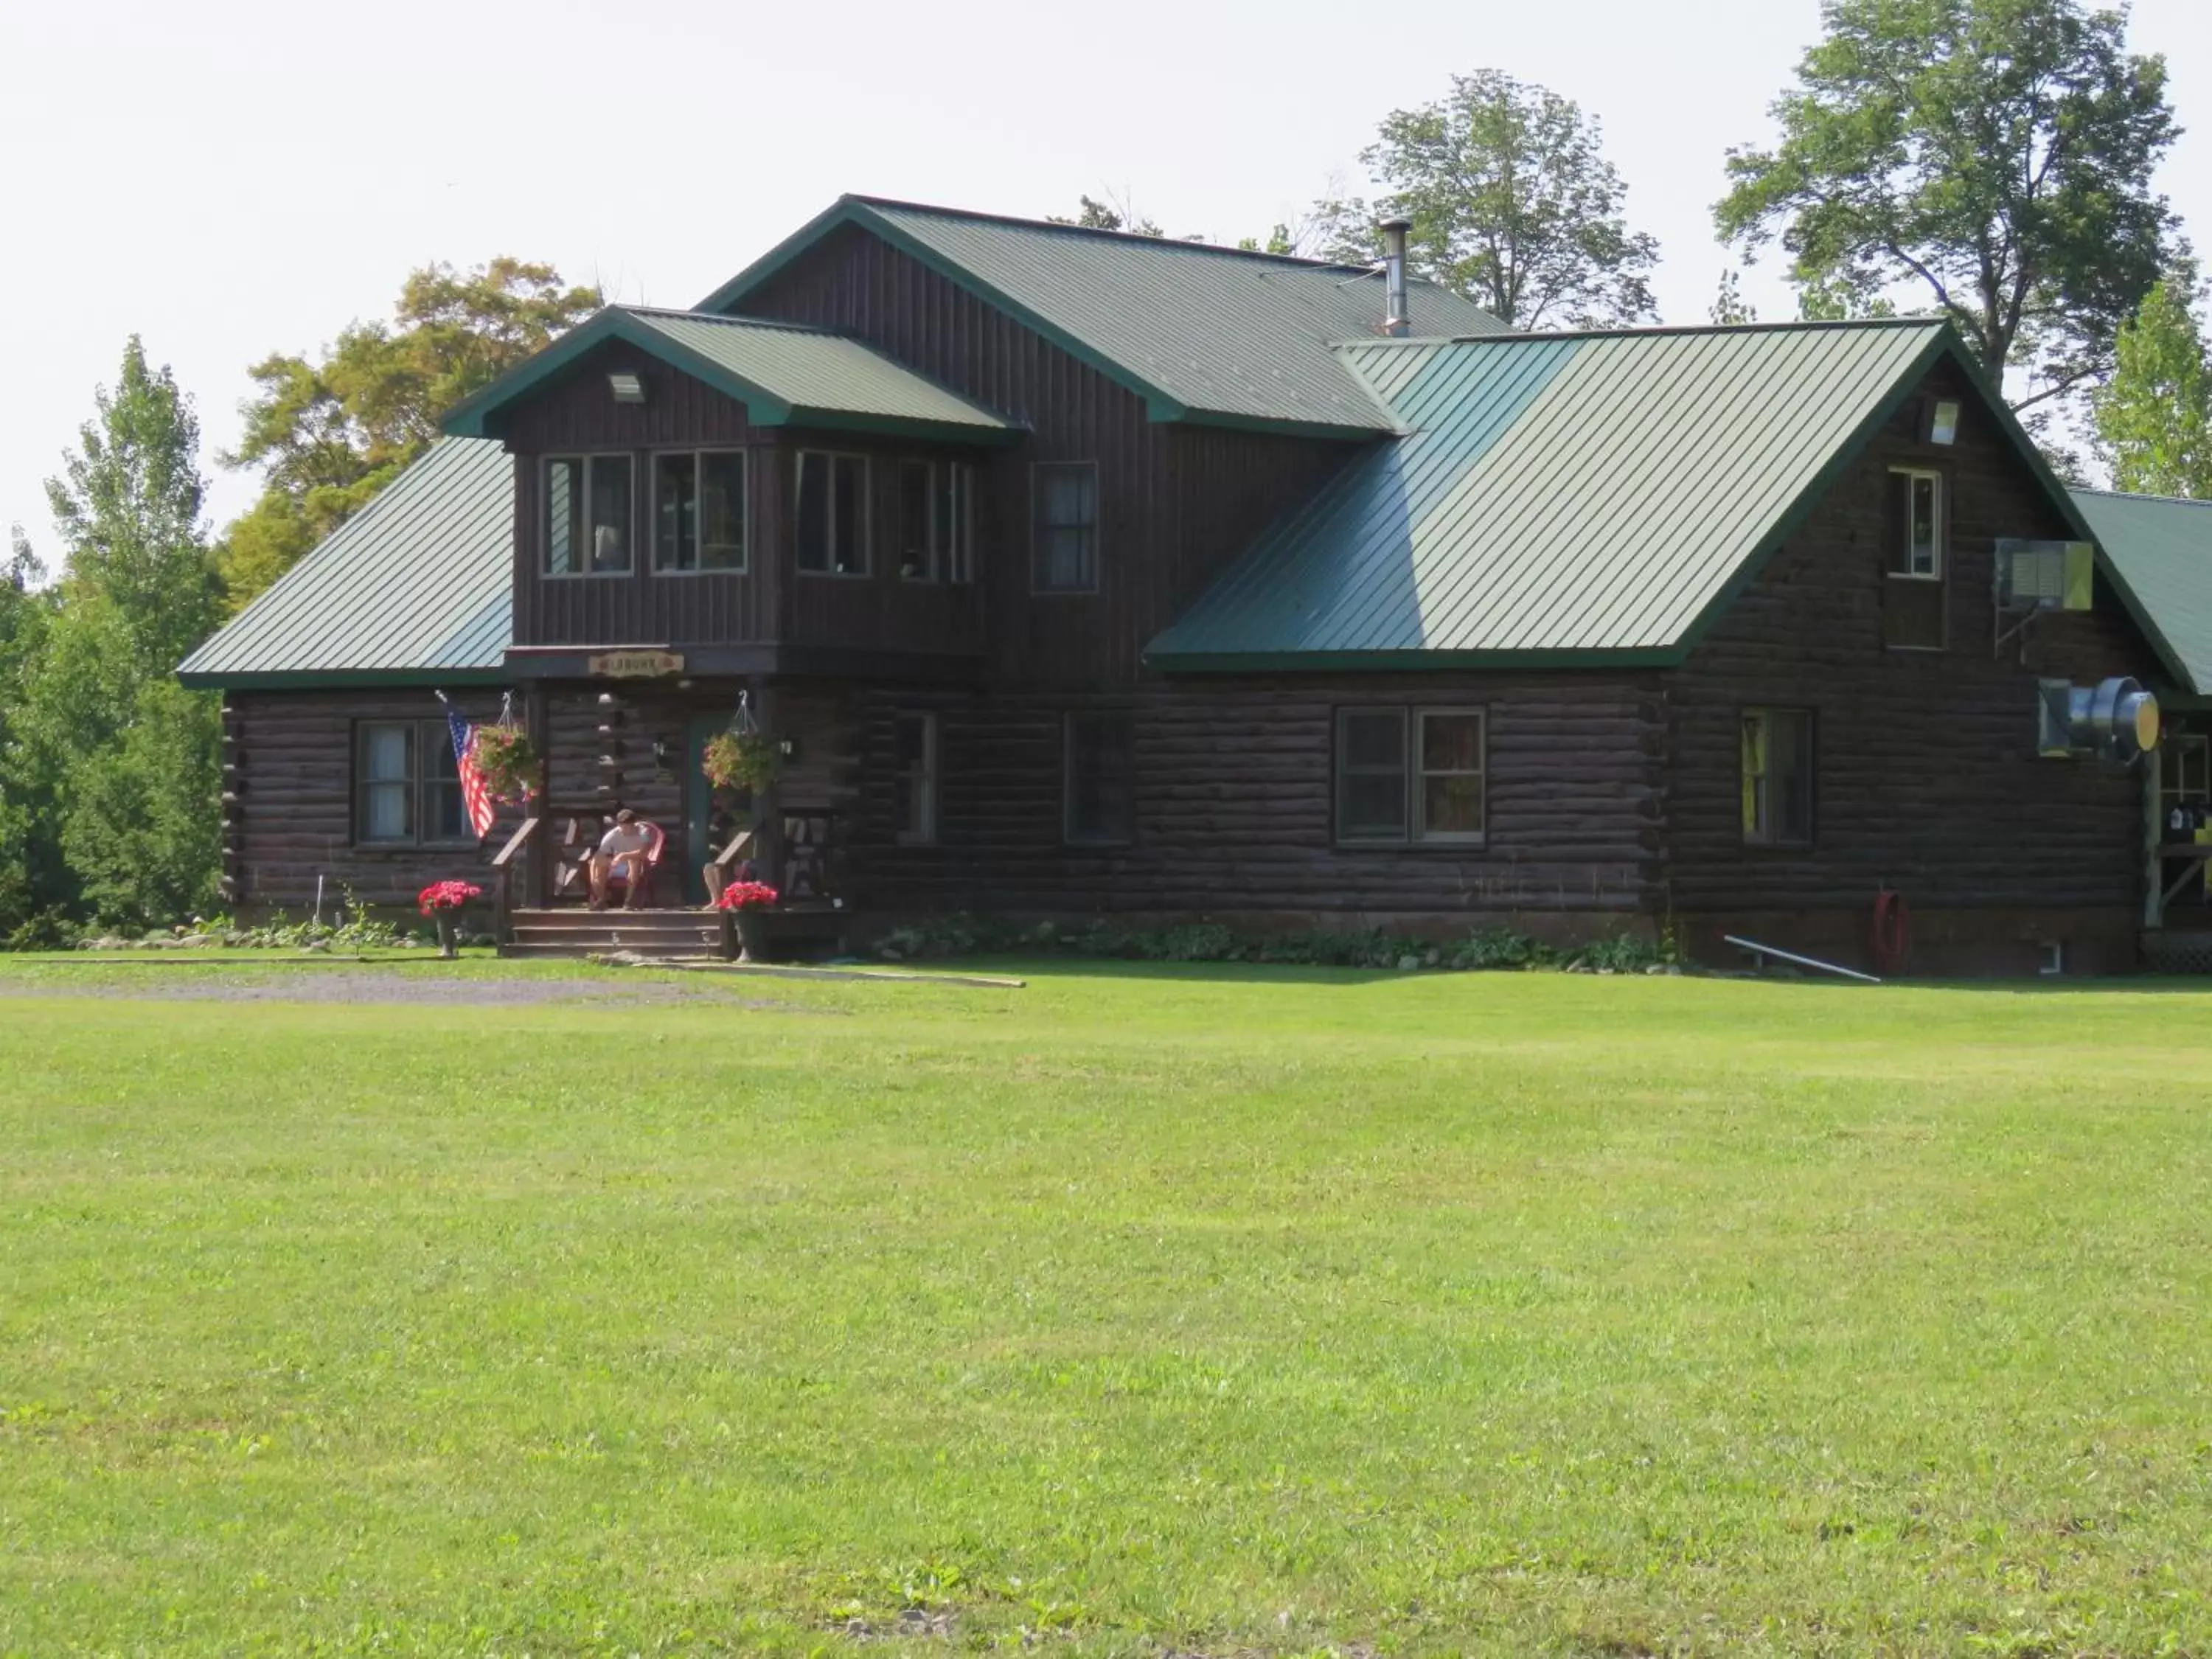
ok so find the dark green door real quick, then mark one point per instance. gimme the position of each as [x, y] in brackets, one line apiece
[698, 806]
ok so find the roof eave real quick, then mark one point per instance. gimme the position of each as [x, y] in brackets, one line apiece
[328, 679]
[1419, 661]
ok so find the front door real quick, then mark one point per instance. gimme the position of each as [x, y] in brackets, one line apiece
[698, 806]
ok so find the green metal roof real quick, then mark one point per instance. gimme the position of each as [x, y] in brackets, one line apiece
[413, 589]
[2159, 551]
[1201, 332]
[785, 374]
[1560, 497]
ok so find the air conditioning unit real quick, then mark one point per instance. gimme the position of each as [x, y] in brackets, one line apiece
[2045, 575]
[2116, 720]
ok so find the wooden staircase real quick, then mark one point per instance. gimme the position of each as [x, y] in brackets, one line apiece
[575, 931]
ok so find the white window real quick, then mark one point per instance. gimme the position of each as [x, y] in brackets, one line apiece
[1411, 775]
[1917, 498]
[936, 512]
[833, 513]
[587, 515]
[699, 510]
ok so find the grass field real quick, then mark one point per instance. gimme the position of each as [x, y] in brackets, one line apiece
[1135, 1311]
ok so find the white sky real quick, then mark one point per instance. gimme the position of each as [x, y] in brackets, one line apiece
[231, 177]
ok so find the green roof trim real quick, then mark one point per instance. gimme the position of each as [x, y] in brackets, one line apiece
[1571, 498]
[2157, 550]
[1211, 335]
[415, 589]
[785, 375]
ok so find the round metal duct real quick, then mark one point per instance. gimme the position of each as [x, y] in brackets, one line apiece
[2120, 721]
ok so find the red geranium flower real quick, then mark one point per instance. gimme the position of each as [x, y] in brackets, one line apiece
[746, 896]
[445, 895]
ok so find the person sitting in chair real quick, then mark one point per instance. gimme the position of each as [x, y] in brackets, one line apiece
[621, 857]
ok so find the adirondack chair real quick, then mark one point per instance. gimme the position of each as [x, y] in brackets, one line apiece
[618, 885]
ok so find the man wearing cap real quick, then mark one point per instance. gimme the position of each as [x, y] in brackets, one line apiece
[622, 856]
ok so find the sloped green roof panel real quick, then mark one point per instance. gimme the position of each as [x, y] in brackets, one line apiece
[415, 588]
[1203, 332]
[2160, 549]
[783, 373]
[1555, 496]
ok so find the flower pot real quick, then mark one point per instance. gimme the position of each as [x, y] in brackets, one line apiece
[449, 933]
[752, 935]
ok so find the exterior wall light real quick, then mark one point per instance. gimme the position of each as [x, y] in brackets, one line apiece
[628, 388]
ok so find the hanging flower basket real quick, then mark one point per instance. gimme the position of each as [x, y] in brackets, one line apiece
[508, 761]
[441, 901]
[741, 760]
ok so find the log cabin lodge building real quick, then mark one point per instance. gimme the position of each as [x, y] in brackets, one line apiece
[1080, 573]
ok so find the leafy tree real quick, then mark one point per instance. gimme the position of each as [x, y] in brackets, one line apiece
[1109, 215]
[2154, 417]
[142, 834]
[329, 434]
[1731, 309]
[1512, 203]
[128, 506]
[1994, 155]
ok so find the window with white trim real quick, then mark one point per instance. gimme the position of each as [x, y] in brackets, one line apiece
[588, 523]
[1411, 776]
[832, 515]
[1916, 544]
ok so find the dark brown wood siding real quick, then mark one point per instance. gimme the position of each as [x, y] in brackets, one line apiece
[291, 820]
[1176, 502]
[1928, 780]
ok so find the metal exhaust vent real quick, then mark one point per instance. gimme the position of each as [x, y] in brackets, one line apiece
[2115, 720]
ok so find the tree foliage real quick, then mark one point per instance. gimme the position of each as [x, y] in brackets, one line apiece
[1994, 155]
[1513, 204]
[329, 435]
[2154, 417]
[108, 768]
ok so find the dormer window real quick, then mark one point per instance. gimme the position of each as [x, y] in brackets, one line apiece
[833, 513]
[587, 515]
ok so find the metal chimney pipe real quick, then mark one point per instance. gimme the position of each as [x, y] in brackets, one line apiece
[1396, 319]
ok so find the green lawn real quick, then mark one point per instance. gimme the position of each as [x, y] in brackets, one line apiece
[1137, 1311]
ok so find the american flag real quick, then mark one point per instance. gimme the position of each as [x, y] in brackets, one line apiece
[476, 793]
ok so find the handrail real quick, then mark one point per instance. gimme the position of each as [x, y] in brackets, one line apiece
[739, 845]
[506, 855]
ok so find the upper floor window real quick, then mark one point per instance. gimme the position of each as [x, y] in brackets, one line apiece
[587, 515]
[936, 520]
[1777, 777]
[699, 510]
[1917, 500]
[1065, 537]
[1415, 774]
[407, 788]
[833, 513]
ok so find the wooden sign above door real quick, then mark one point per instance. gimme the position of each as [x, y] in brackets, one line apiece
[634, 664]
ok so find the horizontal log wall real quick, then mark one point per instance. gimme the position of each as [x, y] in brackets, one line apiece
[1234, 787]
[291, 818]
[1928, 781]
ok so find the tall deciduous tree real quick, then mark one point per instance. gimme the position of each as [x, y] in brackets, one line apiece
[128, 508]
[1993, 155]
[2154, 417]
[1512, 203]
[329, 435]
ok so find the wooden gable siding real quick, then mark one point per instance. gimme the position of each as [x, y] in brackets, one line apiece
[578, 416]
[1927, 778]
[1176, 502]
[291, 819]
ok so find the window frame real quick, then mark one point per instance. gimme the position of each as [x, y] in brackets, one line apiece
[866, 542]
[1747, 810]
[425, 737]
[940, 566]
[1943, 523]
[928, 779]
[591, 459]
[1037, 527]
[1127, 836]
[698, 456]
[1418, 776]
[1412, 774]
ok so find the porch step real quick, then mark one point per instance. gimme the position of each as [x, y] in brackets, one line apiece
[581, 932]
